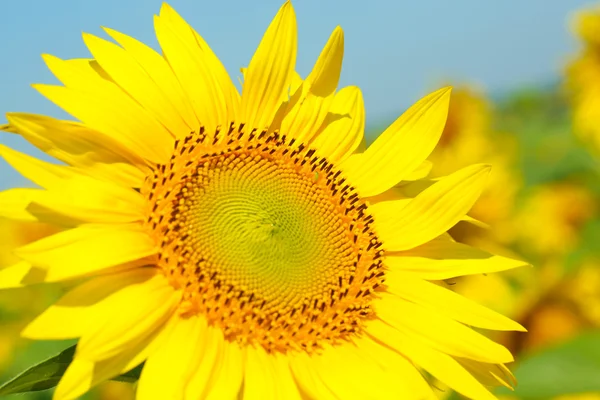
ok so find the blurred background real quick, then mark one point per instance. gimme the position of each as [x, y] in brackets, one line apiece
[526, 100]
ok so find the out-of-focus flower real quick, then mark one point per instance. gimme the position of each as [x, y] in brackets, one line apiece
[551, 217]
[583, 77]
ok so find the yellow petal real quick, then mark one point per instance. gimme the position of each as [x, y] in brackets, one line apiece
[475, 222]
[77, 145]
[198, 46]
[89, 200]
[358, 362]
[490, 375]
[130, 76]
[228, 375]
[81, 375]
[310, 104]
[296, 82]
[455, 306]
[88, 249]
[75, 313]
[210, 354]
[21, 274]
[344, 127]
[393, 364]
[400, 148]
[104, 106]
[77, 380]
[270, 71]
[432, 212]
[438, 364]
[14, 203]
[439, 331]
[268, 376]
[444, 259]
[133, 128]
[160, 72]
[42, 173]
[126, 316]
[421, 172]
[168, 369]
[198, 70]
[309, 381]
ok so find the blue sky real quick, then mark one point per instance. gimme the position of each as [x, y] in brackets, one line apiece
[395, 50]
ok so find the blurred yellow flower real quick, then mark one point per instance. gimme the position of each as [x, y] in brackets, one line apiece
[583, 77]
[551, 217]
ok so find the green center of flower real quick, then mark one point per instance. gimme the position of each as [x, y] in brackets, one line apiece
[266, 228]
[266, 240]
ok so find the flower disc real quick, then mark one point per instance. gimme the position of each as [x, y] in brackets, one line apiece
[267, 238]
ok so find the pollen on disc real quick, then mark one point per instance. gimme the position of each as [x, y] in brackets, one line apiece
[265, 238]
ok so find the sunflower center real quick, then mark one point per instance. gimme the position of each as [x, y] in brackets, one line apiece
[265, 238]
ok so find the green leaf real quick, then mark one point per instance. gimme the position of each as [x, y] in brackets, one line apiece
[570, 368]
[130, 376]
[47, 374]
[42, 376]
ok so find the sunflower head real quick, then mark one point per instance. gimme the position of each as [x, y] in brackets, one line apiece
[266, 239]
[239, 244]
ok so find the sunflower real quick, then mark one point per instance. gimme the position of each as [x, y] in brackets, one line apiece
[238, 245]
[552, 206]
[583, 77]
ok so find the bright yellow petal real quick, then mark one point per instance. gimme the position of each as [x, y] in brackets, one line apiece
[490, 375]
[268, 376]
[435, 297]
[444, 259]
[42, 173]
[310, 104]
[439, 331]
[105, 107]
[139, 133]
[83, 374]
[421, 172]
[344, 126]
[413, 384]
[21, 274]
[168, 369]
[88, 200]
[161, 74]
[74, 313]
[88, 249]
[130, 76]
[355, 364]
[210, 354]
[77, 380]
[438, 364]
[228, 375]
[309, 381]
[270, 71]
[14, 203]
[127, 316]
[200, 73]
[401, 148]
[77, 145]
[432, 212]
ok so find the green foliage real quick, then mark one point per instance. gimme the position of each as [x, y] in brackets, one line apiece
[570, 368]
[47, 374]
[42, 376]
